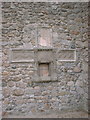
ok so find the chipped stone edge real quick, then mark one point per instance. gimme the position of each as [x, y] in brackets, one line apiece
[0, 61]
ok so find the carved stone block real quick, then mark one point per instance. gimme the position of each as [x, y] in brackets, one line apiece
[66, 55]
[45, 56]
[21, 55]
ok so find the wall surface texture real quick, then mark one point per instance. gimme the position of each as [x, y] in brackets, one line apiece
[23, 26]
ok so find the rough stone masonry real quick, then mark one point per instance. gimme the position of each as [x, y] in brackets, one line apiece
[45, 57]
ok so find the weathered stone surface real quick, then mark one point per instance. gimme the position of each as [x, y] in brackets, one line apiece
[46, 106]
[22, 55]
[80, 90]
[6, 101]
[5, 73]
[15, 79]
[29, 90]
[6, 92]
[11, 84]
[85, 66]
[31, 100]
[71, 83]
[18, 92]
[45, 93]
[37, 88]
[21, 85]
[64, 100]
[10, 107]
[30, 73]
[77, 69]
[62, 93]
[79, 83]
[66, 55]
[18, 102]
[6, 64]
[4, 83]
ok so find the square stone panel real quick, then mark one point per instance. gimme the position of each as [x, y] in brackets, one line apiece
[45, 56]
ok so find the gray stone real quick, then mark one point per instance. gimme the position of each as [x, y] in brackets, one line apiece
[11, 84]
[71, 83]
[77, 69]
[18, 92]
[79, 83]
[6, 92]
[80, 90]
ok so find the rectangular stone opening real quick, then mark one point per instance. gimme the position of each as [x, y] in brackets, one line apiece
[44, 69]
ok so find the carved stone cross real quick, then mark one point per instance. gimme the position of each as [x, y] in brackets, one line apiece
[27, 55]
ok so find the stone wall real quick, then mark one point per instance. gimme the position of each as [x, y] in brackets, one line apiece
[20, 22]
[0, 62]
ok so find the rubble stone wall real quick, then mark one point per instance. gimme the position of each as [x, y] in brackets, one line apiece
[68, 21]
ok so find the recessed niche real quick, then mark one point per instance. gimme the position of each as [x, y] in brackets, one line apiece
[46, 66]
[45, 37]
[44, 69]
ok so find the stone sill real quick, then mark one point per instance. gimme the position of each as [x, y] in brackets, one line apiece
[66, 60]
[23, 61]
[45, 79]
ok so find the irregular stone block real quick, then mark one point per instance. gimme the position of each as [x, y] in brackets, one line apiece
[79, 83]
[6, 101]
[11, 83]
[71, 83]
[5, 73]
[21, 85]
[6, 92]
[16, 79]
[62, 93]
[77, 69]
[18, 92]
